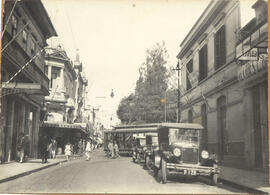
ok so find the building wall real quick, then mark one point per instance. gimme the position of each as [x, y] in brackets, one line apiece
[240, 146]
[21, 113]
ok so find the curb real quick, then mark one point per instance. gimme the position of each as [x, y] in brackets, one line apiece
[242, 187]
[222, 182]
[29, 172]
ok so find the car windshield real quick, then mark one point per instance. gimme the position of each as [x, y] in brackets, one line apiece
[184, 137]
[154, 140]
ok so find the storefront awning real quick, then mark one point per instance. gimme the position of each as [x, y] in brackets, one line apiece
[62, 126]
[18, 88]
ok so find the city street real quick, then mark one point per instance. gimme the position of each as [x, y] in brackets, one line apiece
[102, 175]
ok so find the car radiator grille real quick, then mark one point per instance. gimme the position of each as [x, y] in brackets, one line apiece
[190, 155]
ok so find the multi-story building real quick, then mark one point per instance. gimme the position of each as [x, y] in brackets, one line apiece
[218, 90]
[61, 117]
[81, 84]
[24, 83]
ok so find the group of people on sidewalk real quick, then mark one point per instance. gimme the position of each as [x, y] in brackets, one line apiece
[87, 149]
[48, 148]
[113, 150]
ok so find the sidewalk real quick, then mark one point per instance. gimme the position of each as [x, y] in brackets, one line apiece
[14, 170]
[250, 179]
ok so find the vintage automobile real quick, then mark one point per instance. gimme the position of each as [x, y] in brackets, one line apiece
[148, 151]
[180, 152]
[139, 146]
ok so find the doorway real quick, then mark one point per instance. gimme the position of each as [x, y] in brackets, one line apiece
[221, 123]
[260, 125]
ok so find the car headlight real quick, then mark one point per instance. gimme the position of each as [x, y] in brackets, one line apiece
[205, 154]
[176, 152]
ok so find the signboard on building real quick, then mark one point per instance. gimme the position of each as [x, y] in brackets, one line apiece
[251, 55]
[257, 39]
[253, 67]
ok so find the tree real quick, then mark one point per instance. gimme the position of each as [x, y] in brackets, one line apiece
[126, 109]
[147, 103]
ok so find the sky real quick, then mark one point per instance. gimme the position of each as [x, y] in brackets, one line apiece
[112, 37]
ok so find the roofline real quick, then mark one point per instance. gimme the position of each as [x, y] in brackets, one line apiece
[160, 125]
[54, 33]
[198, 20]
[192, 37]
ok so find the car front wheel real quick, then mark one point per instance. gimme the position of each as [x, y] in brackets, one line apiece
[147, 162]
[163, 171]
[214, 179]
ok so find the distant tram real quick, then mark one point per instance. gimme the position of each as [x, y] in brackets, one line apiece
[125, 136]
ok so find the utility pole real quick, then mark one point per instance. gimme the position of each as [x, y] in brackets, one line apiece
[178, 92]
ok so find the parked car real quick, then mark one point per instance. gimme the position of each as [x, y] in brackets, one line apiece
[180, 152]
[151, 146]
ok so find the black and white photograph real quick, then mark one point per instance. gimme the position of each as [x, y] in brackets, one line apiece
[134, 97]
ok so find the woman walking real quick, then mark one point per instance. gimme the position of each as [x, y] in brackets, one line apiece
[68, 150]
[88, 150]
[21, 144]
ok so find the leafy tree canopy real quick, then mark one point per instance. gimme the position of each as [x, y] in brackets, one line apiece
[147, 104]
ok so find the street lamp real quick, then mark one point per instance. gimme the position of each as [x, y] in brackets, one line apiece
[178, 91]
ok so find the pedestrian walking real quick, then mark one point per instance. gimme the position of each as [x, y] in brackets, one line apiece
[27, 148]
[116, 149]
[68, 149]
[53, 148]
[88, 150]
[80, 147]
[110, 146]
[21, 147]
[44, 146]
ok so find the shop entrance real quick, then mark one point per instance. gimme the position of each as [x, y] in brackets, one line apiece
[259, 100]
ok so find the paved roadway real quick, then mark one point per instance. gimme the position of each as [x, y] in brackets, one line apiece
[103, 175]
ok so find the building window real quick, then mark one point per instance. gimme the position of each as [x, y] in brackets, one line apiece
[220, 48]
[33, 46]
[24, 36]
[14, 22]
[53, 80]
[190, 116]
[189, 71]
[203, 69]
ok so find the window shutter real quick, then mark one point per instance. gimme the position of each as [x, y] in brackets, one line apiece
[201, 64]
[189, 67]
[205, 68]
[222, 45]
[216, 45]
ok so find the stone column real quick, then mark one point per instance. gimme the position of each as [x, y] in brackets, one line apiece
[10, 128]
[35, 133]
[62, 82]
[49, 74]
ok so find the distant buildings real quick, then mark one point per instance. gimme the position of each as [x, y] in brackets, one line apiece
[27, 27]
[63, 117]
[224, 83]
